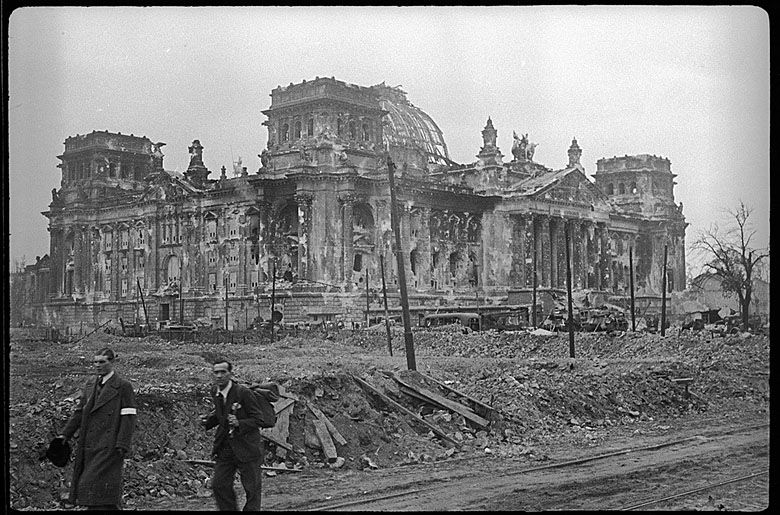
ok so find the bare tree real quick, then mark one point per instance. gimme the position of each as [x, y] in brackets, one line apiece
[730, 256]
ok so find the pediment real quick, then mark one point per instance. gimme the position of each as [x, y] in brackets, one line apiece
[164, 186]
[572, 186]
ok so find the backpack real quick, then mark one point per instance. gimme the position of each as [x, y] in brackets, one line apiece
[266, 394]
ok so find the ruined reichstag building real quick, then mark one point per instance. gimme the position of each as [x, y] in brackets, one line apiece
[130, 239]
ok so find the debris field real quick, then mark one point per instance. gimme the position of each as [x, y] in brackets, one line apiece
[346, 404]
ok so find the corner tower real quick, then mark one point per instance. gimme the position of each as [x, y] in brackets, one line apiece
[324, 125]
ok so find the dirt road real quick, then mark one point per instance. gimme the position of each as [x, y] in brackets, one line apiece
[630, 471]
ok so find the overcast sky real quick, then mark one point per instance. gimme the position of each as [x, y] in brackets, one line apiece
[689, 83]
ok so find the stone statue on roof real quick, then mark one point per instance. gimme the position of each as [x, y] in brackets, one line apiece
[265, 158]
[522, 149]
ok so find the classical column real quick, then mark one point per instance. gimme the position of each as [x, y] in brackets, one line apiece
[590, 251]
[304, 201]
[605, 279]
[424, 244]
[347, 202]
[528, 250]
[517, 278]
[116, 262]
[577, 266]
[405, 221]
[263, 237]
[554, 249]
[543, 258]
[79, 261]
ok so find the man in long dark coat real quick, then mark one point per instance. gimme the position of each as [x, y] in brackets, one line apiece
[237, 444]
[105, 419]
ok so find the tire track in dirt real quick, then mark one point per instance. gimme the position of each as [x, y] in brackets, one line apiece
[608, 483]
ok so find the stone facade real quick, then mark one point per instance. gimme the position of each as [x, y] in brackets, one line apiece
[317, 213]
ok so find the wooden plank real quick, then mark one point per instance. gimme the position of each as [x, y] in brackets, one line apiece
[209, 463]
[456, 392]
[333, 431]
[286, 394]
[449, 404]
[283, 429]
[414, 416]
[281, 404]
[412, 393]
[328, 448]
[269, 435]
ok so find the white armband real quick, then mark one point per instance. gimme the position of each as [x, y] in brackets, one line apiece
[127, 411]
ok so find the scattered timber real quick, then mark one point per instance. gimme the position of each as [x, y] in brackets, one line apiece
[281, 404]
[209, 463]
[283, 427]
[443, 402]
[328, 448]
[412, 415]
[478, 406]
[333, 431]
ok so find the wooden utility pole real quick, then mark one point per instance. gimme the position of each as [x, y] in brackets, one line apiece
[399, 256]
[663, 296]
[568, 288]
[273, 299]
[368, 303]
[226, 302]
[384, 296]
[141, 293]
[181, 297]
[533, 307]
[631, 282]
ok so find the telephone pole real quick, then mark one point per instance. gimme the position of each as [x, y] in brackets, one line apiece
[399, 256]
[384, 296]
[568, 288]
[631, 282]
[663, 297]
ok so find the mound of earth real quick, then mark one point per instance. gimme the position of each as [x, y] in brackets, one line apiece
[538, 393]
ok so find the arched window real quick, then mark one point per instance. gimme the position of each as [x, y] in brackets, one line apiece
[365, 134]
[352, 130]
[285, 134]
[339, 127]
[413, 258]
[621, 188]
[310, 127]
[634, 189]
[173, 269]
[610, 189]
[297, 131]
[454, 258]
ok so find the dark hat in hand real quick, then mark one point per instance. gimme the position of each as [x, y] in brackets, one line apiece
[58, 452]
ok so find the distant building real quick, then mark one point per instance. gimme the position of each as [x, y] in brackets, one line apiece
[707, 290]
[123, 229]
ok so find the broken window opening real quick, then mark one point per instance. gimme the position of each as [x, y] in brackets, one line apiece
[352, 130]
[621, 189]
[310, 127]
[297, 131]
[357, 264]
[284, 135]
[610, 189]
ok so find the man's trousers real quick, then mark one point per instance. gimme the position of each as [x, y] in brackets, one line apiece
[222, 482]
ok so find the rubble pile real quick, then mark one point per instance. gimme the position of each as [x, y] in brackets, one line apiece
[535, 392]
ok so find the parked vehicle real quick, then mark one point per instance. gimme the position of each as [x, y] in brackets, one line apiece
[470, 320]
